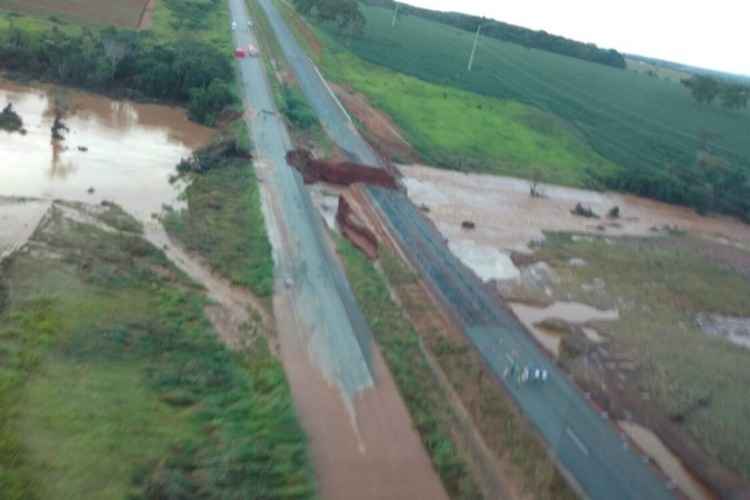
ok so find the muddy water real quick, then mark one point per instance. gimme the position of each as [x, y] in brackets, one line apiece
[667, 461]
[18, 220]
[132, 149]
[507, 218]
[572, 312]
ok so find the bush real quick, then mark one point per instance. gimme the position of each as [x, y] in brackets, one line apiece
[296, 109]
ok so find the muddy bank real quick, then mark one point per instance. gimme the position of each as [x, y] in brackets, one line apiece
[115, 150]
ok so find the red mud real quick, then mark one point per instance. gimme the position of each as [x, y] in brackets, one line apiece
[368, 450]
[340, 173]
[354, 228]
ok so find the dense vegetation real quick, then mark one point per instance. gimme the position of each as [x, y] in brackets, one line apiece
[669, 147]
[706, 89]
[168, 65]
[400, 345]
[345, 14]
[510, 33]
[113, 384]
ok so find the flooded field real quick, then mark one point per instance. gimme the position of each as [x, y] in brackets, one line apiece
[115, 150]
[506, 218]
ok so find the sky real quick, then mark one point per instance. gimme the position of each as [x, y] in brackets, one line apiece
[713, 35]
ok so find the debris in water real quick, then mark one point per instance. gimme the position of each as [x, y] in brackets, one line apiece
[582, 211]
[614, 212]
[10, 120]
[83, 149]
[90, 190]
[467, 224]
[58, 127]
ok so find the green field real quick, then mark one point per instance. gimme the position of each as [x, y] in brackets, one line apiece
[649, 126]
[114, 385]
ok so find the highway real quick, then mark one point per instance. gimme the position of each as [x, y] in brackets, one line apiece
[345, 397]
[588, 447]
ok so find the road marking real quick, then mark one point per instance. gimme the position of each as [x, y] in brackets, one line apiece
[330, 91]
[577, 441]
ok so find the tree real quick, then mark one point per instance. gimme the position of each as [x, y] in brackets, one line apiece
[703, 88]
[734, 96]
[346, 14]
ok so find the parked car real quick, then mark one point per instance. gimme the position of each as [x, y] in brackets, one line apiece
[252, 50]
[239, 53]
[234, 25]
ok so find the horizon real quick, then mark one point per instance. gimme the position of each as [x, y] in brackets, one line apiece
[719, 50]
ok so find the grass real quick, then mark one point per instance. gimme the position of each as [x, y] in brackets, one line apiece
[661, 285]
[224, 223]
[629, 118]
[113, 383]
[400, 346]
[459, 129]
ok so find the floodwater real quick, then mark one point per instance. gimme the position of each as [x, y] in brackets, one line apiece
[572, 312]
[132, 149]
[667, 461]
[507, 218]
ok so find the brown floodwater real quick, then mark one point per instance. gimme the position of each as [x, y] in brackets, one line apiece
[131, 149]
[507, 218]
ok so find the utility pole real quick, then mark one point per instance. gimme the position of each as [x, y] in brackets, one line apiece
[474, 49]
[395, 15]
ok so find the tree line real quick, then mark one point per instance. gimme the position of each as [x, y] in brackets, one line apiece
[706, 89]
[346, 14]
[515, 34]
[125, 63]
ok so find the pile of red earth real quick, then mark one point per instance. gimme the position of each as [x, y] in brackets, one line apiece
[340, 173]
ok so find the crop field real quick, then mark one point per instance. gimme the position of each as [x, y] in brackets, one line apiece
[123, 13]
[647, 125]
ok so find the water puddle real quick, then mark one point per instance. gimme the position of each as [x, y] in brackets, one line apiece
[571, 312]
[667, 461]
[123, 150]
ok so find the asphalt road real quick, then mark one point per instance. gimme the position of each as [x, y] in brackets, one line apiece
[588, 447]
[344, 395]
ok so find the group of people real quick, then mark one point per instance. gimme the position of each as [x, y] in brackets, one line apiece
[525, 374]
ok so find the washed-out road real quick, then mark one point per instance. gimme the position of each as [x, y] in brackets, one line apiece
[587, 446]
[362, 440]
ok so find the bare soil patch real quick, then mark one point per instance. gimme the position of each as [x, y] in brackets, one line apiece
[379, 129]
[123, 13]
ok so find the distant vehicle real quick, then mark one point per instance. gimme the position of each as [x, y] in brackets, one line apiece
[239, 53]
[252, 50]
[249, 23]
[234, 25]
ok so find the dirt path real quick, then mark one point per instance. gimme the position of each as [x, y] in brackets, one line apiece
[231, 311]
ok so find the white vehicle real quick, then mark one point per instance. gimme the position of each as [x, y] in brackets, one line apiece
[234, 26]
[249, 23]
